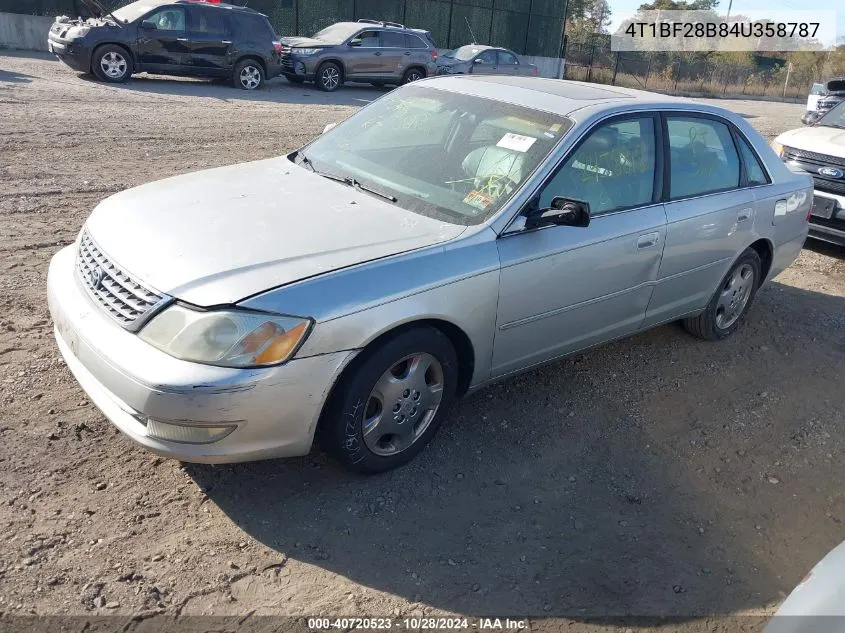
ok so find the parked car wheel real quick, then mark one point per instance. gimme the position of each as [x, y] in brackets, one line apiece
[329, 77]
[731, 301]
[248, 74]
[390, 405]
[112, 63]
[413, 74]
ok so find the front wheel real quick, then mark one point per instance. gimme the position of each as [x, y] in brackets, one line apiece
[329, 77]
[248, 75]
[112, 63]
[731, 301]
[392, 401]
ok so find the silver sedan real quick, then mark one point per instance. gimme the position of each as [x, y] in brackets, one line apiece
[452, 233]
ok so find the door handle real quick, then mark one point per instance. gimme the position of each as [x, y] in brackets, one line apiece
[648, 240]
[407, 52]
[377, 53]
[744, 215]
[226, 42]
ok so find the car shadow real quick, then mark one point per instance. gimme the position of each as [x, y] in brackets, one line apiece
[825, 248]
[276, 90]
[7, 76]
[618, 482]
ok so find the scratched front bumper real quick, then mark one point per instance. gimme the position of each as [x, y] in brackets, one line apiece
[275, 409]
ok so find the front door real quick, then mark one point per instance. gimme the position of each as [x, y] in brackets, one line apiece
[209, 41]
[566, 288]
[485, 63]
[163, 40]
[363, 59]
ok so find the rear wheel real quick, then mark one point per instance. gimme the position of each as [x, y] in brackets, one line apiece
[391, 402]
[329, 77]
[248, 75]
[731, 301]
[112, 63]
[412, 74]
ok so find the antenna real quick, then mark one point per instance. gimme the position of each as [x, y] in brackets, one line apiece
[470, 30]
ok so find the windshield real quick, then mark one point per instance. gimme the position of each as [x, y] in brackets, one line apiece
[452, 156]
[132, 12]
[466, 53]
[337, 33]
[835, 117]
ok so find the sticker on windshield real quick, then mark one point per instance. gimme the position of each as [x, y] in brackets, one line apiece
[516, 142]
[478, 200]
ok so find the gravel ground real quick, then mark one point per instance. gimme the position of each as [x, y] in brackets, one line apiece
[657, 476]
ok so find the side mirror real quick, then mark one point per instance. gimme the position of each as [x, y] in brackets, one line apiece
[329, 127]
[147, 25]
[477, 60]
[562, 212]
[355, 42]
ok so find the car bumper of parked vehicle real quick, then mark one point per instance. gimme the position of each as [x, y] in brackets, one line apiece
[72, 53]
[830, 229]
[179, 409]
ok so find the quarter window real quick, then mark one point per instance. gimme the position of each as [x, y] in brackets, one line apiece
[703, 157]
[412, 41]
[612, 169]
[754, 172]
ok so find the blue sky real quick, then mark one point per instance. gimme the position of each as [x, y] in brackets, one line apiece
[739, 5]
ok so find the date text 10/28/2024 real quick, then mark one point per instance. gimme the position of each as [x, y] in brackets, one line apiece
[417, 624]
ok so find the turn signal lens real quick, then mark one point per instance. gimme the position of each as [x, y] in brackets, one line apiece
[778, 149]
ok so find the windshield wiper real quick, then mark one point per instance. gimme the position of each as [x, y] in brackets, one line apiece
[345, 180]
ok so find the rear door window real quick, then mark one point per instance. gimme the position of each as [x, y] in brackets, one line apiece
[208, 23]
[392, 39]
[507, 59]
[703, 157]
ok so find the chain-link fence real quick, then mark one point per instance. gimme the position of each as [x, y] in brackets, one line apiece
[530, 27]
[723, 74]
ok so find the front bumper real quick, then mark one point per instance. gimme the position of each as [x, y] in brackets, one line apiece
[830, 229]
[275, 410]
[73, 53]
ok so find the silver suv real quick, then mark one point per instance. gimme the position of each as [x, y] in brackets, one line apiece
[374, 52]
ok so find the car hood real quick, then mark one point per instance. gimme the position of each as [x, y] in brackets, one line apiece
[217, 236]
[304, 42]
[818, 139]
[97, 10]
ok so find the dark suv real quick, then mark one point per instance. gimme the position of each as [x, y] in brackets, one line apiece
[367, 50]
[171, 37]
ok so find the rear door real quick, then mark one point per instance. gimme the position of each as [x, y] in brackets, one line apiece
[209, 40]
[508, 63]
[710, 212]
[394, 55]
[163, 40]
[419, 53]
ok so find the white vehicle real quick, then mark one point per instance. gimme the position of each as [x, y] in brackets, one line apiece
[823, 97]
[820, 151]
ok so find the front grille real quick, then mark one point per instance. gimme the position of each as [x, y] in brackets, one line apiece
[823, 160]
[124, 299]
[832, 186]
[285, 57]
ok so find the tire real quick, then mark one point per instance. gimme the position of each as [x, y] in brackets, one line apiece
[731, 301]
[296, 80]
[417, 371]
[112, 63]
[248, 75]
[329, 77]
[412, 74]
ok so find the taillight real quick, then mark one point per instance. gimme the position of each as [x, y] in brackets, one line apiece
[434, 54]
[277, 46]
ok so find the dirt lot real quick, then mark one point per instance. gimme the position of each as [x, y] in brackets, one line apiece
[656, 476]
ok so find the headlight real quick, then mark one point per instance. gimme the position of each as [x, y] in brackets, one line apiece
[778, 148]
[76, 32]
[227, 338]
[305, 51]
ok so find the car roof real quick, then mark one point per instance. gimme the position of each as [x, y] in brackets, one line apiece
[558, 96]
[216, 5]
[375, 24]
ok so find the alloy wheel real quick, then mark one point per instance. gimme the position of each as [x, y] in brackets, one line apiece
[113, 65]
[330, 78]
[250, 77]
